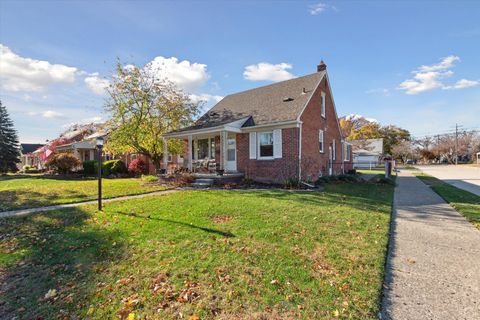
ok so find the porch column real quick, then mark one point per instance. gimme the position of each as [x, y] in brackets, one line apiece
[223, 150]
[165, 155]
[189, 156]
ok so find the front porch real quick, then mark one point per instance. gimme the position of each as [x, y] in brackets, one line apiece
[208, 152]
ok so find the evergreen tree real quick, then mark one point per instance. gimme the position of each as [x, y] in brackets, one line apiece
[9, 147]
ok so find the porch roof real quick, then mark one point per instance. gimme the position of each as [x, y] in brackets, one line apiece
[76, 145]
[233, 126]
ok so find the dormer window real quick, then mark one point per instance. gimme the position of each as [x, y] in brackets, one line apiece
[322, 106]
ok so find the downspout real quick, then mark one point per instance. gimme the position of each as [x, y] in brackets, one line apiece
[343, 156]
[300, 151]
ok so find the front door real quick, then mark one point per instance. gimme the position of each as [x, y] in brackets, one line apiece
[330, 161]
[231, 153]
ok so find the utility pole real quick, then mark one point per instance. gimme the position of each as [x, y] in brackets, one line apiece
[456, 143]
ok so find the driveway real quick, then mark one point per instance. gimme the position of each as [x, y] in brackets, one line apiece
[462, 176]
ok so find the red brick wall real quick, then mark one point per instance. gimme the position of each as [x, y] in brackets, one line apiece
[314, 162]
[275, 170]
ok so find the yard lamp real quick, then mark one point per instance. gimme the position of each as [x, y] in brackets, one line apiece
[99, 157]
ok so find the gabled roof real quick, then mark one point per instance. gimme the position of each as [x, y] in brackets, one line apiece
[278, 102]
[30, 147]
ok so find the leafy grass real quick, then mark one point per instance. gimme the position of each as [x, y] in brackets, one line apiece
[28, 192]
[214, 254]
[468, 204]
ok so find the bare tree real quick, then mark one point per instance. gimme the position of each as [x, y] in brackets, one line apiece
[402, 150]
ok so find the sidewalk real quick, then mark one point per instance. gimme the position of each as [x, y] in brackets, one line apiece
[23, 212]
[433, 264]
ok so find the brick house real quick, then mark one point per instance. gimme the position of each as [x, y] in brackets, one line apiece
[284, 130]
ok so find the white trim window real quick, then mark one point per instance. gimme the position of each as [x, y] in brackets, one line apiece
[347, 153]
[334, 149]
[265, 145]
[323, 105]
[253, 145]
[320, 141]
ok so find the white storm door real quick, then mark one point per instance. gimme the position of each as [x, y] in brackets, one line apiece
[232, 153]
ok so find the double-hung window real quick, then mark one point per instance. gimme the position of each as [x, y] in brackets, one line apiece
[323, 106]
[320, 140]
[265, 144]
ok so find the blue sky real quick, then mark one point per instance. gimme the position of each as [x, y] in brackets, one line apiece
[412, 64]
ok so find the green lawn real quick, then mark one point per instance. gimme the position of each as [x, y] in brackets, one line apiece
[18, 192]
[468, 204]
[373, 171]
[212, 254]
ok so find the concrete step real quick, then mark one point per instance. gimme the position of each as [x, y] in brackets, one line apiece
[201, 185]
[204, 180]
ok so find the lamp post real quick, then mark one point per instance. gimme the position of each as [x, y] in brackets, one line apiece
[99, 157]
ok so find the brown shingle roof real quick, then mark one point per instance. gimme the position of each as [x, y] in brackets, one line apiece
[264, 104]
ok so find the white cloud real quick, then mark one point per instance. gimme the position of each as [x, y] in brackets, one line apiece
[96, 84]
[205, 98]
[428, 78]
[318, 8]
[446, 63]
[47, 114]
[463, 83]
[383, 91]
[424, 81]
[354, 116]
[187, 75]
[267, 71]
[24, 74]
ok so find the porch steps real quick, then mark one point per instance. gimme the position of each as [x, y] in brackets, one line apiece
[202, 183]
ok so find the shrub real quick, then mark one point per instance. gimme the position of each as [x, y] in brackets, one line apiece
[347, 178]
[90, 167]
[334, 178]
[62, 162]
[110, 167]
[291, 183]
[30, 169]
[248, 181]
[383, 180]
[149, 178]
[137, 167]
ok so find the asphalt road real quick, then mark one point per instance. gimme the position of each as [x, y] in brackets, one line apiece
[461, 176]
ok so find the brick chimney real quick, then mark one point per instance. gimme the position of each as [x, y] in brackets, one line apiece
[322, 66]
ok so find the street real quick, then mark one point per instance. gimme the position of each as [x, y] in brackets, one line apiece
[461, 176]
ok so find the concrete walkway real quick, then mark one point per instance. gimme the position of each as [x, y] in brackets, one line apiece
[23, 212]
[433, 264]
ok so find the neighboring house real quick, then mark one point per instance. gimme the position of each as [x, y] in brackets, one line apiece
[284, 130]
[27, 155]
[86, 149]
[367, 153]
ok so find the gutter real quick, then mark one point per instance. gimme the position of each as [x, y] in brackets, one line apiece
[300, 151]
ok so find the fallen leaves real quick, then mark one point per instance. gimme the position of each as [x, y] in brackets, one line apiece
[52, 293]
[125, 281]
[128, 304]
[222, 275]
[221, 219]
[189, 293]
